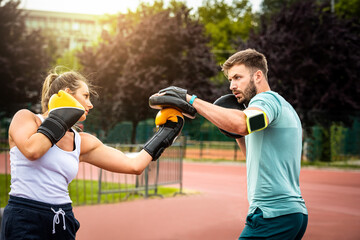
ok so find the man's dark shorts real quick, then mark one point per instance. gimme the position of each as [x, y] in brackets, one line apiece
[289, 227]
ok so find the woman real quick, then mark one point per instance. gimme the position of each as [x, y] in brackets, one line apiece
[45, 153]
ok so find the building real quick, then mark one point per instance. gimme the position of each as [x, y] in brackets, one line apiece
[71, 30]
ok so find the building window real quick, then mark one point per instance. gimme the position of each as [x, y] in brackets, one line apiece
[75, 26]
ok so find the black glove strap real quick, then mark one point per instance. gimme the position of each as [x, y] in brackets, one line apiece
[53, 128]
[163, 138]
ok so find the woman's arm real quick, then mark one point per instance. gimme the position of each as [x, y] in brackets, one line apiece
[23, 134]
[93, 151]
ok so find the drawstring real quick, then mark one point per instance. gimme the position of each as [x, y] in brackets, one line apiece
[56, 219]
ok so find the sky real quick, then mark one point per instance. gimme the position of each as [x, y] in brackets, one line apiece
[100, 6]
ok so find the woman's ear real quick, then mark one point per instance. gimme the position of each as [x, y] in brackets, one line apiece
[68, 90]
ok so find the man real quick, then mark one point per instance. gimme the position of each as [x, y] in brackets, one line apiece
[272, 144]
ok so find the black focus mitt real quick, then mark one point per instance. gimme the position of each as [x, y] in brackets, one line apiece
[173, 97]
[229, 101]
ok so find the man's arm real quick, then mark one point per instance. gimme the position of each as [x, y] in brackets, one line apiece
[231, 120]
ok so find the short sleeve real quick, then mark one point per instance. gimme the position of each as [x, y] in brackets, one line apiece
[269, 103]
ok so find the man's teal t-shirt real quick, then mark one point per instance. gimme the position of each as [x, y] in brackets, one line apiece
[273, 159]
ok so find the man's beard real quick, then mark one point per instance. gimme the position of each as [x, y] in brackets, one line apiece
[249, 93]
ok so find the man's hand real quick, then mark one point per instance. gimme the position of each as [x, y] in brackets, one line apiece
[173, 97]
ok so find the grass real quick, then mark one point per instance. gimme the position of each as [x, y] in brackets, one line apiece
[85, 192]
[4, 189]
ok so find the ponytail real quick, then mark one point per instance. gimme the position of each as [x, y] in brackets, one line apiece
[45, 96]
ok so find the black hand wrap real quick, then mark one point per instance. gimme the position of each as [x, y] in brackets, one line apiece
[163, 138]
[173, 97]
[58, 122]
[229, 101]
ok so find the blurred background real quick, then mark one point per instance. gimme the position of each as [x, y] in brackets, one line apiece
[131, 49]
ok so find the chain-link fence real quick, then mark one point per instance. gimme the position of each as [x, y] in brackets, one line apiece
[213, 150]
[339, 141]
[335, 142]
[166, 171]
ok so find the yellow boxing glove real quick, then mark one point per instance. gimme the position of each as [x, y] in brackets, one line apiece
[64, 99]
[167, 114]
[64, 112]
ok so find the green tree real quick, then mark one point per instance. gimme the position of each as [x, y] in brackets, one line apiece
[225, 23]
[69, 60]
[144, 10]
[23, 60]
[348, 8]
[147, 54]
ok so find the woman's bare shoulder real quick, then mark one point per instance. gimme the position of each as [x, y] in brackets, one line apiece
[23, 123]
[25, 114]
[88, 142]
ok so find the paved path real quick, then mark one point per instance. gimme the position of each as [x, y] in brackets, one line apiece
[219, 209]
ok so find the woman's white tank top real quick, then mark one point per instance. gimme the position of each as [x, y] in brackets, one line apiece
[47, 178]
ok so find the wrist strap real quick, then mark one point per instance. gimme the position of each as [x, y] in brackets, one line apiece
[192, 99]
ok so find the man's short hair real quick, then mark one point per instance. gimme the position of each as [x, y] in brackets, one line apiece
[251, 58]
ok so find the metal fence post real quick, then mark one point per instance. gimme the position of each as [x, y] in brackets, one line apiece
[157, 177]
[99, 190]
[235, 151]
[147, 182]
[182, 155]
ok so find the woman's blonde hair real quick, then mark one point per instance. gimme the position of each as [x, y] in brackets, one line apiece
[58, 80]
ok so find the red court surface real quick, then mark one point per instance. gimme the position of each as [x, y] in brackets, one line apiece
[219, 208]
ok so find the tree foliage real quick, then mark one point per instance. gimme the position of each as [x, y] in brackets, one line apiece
[274, 6]
[162, 49]
[224, 23]
[23, 59]
[348, 8]
[314, 59]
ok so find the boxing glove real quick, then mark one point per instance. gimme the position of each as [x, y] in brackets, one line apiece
[170, 123]
[229, 101]
[64, 112]
[173, 97]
